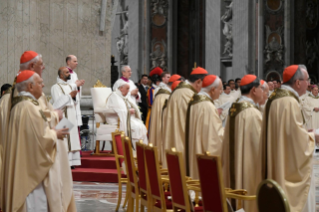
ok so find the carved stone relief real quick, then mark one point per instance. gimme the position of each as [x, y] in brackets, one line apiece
[274, 47]
[122, 40]
[227, 31]
[158, 56]
[158, 36]
[274, 6]
[312, 14]
[311, 52]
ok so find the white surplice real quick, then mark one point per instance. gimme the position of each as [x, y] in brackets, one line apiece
[120, 105]
[223, 99]
[62, 100]
[134, 99]
[74, 78]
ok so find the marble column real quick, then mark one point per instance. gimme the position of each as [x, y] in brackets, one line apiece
[135, 38]
[243, 38]
[213, 37]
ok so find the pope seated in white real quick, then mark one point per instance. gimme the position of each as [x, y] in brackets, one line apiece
[64, 97]
[121, 103]
[310, 109]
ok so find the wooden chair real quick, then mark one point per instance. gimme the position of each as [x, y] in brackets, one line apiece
[158, 201]
[179, 188]
[271, 197]
[142, 176]
[212, 186]
[132, 185]
[117, 138]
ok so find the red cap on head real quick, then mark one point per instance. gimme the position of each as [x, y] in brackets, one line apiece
[24, 75]
[262, 82]
[208, 80]
[27, 56]
[175, 84]
[289, 72]
[199, 70]
[247, 79]
[157, 71]
[174, 77]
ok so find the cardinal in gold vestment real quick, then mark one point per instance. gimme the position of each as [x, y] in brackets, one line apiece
[59, 190]
[175, 117]
[286, 151]
[241, 141]
[204, 130]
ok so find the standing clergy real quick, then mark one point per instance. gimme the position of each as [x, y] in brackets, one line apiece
[64, 98]
[310, 109]
[155, 132]
[225, 100]
[135, 95]
[128, 114]
[175, 118]
[263, 101]
[271, 87]
[72, 63]
[287, 147]
[165, 76]
[241, 142]
[32, 152]
[204, 130]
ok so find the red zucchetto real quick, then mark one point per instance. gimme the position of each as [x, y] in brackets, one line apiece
[247, 79]
[199, 70]
[174, 77]
[208, 80]
[289, 72]
[27, 56]
[24, 75]
[175, 84]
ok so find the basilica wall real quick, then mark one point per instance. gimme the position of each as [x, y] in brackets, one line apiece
[55, 29]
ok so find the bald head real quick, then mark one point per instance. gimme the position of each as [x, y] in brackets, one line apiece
[71, 61]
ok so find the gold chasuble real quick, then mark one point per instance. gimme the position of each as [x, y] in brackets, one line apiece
[240, 149]
[175, 118]
[155, 132]
[287, 148]
[204, 131]
[311, 116]
[32, 151]
[3, 123]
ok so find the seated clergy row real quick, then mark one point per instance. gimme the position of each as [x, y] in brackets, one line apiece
[264, 138]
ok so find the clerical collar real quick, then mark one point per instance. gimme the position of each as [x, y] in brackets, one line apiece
[289, 88]
[187, 82]
[26, 93]
[125, 79]
[314, 95]
[60, 81]
[71, 71]
[205, 94]
[247, 99]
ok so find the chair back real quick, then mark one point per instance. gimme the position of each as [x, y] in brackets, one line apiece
[141, 165]
[130, 166]
[177, 173]
[153, 174]
[117, 139]
[211, 181]
[99, 96]
[271, 197]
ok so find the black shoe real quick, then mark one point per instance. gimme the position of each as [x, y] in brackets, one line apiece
[72, 167]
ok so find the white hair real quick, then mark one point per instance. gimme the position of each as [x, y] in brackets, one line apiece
[214, 85]
[25, 66]
[123, 68]
[264, 86]
[22, 86]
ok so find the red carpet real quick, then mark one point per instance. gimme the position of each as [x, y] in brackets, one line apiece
[95, 169]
